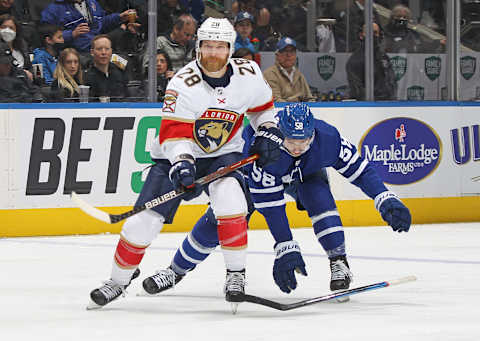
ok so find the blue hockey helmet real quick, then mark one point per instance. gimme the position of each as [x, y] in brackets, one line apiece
[296, 121]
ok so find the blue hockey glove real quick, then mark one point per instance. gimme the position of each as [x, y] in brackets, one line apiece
[267, 145]
[393, 211]
[288, 259]
[182, 175]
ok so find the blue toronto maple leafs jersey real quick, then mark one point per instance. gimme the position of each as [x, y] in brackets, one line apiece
[328, 149]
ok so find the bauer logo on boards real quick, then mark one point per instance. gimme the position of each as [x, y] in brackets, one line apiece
[403, 150]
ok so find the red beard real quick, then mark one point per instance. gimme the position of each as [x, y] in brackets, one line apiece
[213, 64]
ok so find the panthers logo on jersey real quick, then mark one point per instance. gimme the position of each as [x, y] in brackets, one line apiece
[215, 128]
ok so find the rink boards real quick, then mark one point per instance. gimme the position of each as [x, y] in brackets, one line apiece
[426, 152]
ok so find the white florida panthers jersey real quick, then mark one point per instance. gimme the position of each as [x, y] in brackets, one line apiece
[207, 122]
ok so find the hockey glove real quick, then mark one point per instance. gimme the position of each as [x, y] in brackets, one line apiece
[267, 145]
[182, 175]
[288, 259]
[393, 211]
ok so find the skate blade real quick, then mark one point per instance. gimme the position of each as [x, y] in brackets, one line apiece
[234, 306]
[93, 306]
[143, 293]
[342, 299]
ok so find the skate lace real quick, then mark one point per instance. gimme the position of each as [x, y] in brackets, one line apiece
[164, 278]
[340, 270]
[235, 282]
[111, 290]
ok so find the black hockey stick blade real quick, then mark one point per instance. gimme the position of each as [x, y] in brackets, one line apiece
[115, 218]
[332, 296]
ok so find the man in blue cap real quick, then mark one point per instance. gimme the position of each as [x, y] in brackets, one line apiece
[287, 82]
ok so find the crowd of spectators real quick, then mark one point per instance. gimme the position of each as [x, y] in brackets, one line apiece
[55, 46]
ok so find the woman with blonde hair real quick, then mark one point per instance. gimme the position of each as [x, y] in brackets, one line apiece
[68, 76]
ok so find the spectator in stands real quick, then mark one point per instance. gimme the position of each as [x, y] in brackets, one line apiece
[15, 86]
[168, 12]
[12, 7]
[81, 20]
[325, 36]
[385, 85]
[244, 53]
[244, 26]
[195, 7]
[399, 38]
[291, 21]
[433, 14]
[348, 41]
[259, 8]
[287, 82]
[67, 76]
[52, 40]
[178, 44]
[104, 77]
[164, 74]
[11, 33]
[6, 7]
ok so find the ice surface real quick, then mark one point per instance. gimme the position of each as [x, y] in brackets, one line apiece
[45, 285]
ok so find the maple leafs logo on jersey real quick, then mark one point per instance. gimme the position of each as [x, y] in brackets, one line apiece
[215, 128]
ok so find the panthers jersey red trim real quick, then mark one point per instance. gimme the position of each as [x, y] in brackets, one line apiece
[172, 129]
[262, 107]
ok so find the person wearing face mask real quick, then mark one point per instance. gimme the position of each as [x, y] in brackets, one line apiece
[12, 34]
[52, 41]
[385, 85]
[399, 38]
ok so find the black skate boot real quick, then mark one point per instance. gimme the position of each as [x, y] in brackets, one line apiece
[234, 288]
[161, 281]
[109, 292]
[341, 276]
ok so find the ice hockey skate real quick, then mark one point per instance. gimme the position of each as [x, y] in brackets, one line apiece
[109, 292]
[341, 276]
[235, 288]
[161, 281]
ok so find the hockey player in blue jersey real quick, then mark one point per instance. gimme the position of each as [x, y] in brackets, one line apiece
[309, 146]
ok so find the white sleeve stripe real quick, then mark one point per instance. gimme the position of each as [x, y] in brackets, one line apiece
[267, 190]
[317, 218]
[380, 198]
[328, 231]
[270, 203]
[197, 247]
[187, 257]
[359, 171]
[353, 159]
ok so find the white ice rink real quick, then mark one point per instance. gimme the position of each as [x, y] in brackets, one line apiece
[45, 285]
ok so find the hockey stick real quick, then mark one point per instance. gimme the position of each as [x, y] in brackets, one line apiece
[115, 218]
[335, 295]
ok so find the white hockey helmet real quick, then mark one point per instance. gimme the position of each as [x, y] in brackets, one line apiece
[218, 30]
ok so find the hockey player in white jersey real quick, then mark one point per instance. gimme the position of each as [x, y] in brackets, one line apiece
[309, 147]
[202, 122]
